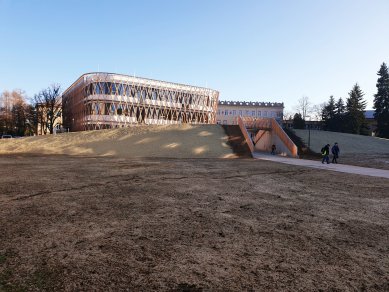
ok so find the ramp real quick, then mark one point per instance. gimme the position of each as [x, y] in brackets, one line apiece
[262, 133]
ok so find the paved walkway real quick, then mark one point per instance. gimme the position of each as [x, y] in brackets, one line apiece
[317, 164]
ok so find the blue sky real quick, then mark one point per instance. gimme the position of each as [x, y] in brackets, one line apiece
[248, 50]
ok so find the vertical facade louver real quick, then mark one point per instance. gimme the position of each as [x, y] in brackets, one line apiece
[106, 100]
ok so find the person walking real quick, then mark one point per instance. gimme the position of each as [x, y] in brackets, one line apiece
[325, 152]
[273, 149]
[335, 152]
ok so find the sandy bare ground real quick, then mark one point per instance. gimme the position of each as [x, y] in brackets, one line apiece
[141, 224]
[177, 141]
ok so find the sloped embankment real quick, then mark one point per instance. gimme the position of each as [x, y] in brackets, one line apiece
[349, 143]
[180, 141]
[354, 149]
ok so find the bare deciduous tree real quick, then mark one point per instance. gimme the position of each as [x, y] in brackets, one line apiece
[317, 111]
[287, 115]
[304, 107]
[13, 108]
[48, 104]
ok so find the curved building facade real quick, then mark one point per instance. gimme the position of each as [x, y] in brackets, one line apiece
[106, 100]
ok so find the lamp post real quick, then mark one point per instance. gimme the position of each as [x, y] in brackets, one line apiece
[309, 132]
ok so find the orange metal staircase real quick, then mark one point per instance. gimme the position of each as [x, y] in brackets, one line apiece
[254, 129]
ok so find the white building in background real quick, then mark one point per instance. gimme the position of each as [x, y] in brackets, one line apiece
[228, 111]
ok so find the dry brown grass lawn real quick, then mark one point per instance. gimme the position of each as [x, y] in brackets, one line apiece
[102, 223]
[103, 218]
[181, 141]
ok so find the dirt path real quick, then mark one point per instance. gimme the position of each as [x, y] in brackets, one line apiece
[115, 224]
[318, 165]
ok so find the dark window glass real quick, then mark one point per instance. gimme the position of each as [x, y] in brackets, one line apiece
[120, 89]
[107, 107]
[107, 86]
[97, 88]
[113, 88]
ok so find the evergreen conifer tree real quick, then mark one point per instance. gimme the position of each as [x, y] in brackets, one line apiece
[340, 107]
[328, 114]
[298, 121]
[339, 118]
[381, 102]
[355, 108]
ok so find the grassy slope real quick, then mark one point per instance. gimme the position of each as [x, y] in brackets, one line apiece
[348, 143]
[179, 141]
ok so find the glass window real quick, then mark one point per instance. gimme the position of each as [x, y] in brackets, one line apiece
[226, 113]
[120, 89]
[107, 86]
[234, 112]
[97, 88]
[240, 113]
[253, 113]
[113, 88]
[265, 113]
[107, 108]
[259, 113]
[97, 109]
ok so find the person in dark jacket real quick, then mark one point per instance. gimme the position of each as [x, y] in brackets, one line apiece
[273, 149]
[335, 152]
[325, 152]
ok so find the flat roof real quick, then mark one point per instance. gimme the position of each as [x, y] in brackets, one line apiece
[252, 103]
[141, 80]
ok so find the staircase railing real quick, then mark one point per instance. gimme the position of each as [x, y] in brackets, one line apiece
[245, 134]
[284, 137]
[265, 124]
